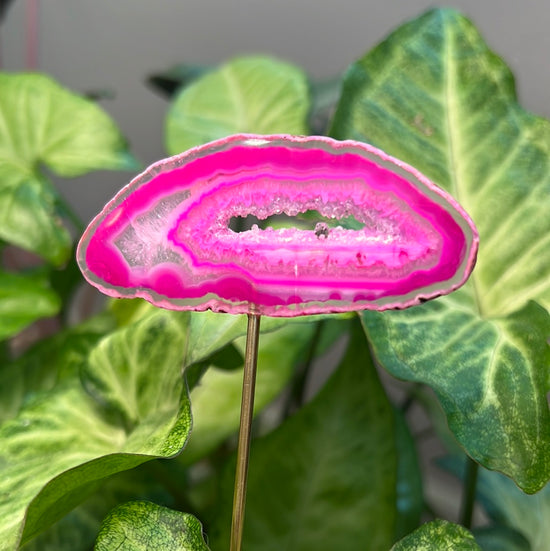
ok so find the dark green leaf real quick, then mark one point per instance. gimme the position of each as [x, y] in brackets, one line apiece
[249, 94]
[216, 401]
[490, 376]
[77, 531]
[176, 78]
[500, 538]
[24, 299]
[507, 505]
[141, 526]
[438, 535]
[410, 498]
[435, 96]
[326, 478]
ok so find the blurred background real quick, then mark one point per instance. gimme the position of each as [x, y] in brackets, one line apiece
[113, 46]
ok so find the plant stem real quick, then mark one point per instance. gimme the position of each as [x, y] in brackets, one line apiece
[245, 429]
[468, 498]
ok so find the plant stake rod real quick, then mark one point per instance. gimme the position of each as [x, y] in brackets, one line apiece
[245, 429]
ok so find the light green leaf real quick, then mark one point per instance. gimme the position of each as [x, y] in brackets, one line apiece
[216, 401]
[249, 94]
[326, 478]
[24, 299]
[29, 214]
[140, 411]
[141, 525]
[439, 534]
[435, 96]
[47, 363]
[43, 123]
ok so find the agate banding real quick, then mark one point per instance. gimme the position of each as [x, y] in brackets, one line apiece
[166, 237]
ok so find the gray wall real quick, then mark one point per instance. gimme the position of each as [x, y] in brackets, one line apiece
[114, 44]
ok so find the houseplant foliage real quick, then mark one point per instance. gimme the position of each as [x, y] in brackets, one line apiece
[99, 415]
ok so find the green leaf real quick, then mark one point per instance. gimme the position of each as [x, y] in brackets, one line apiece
[410, 498]
[248, 94]
[24, 299]
[506, 505]
[47, 363]
[490, 376]
[326, 478]
[29, 216]
[500, 538]
[435, 96]
[141, 525]
[439, 534]
[216, 402]
[77, 531]
[140, 411]
[176, 78]
[123, 405]
[43, 123]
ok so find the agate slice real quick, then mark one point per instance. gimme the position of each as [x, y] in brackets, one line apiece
[166, 237]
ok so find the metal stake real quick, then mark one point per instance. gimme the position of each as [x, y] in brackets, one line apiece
[247, 410]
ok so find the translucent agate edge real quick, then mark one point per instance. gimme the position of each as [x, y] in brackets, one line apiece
[165, 237]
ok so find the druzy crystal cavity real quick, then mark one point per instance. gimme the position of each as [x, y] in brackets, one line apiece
[166, 237]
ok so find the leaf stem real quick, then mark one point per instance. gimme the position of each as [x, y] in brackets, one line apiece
[469, 495]
[245, 430]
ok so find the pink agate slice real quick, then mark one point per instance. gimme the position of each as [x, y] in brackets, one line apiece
[166, 237]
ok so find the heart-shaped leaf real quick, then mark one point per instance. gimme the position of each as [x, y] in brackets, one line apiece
[24, 299]
[123, 404]
[435, 96]
[137, 414]
[438, 534]
[329, 472]
[141, 525]
[43, 123]
[249, 94]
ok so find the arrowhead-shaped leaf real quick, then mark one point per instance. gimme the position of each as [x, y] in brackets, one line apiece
[440, 535]
[435, 96]
[24, 299]
[43, 123]
[326, 478]
[141, 525]
[249, 94]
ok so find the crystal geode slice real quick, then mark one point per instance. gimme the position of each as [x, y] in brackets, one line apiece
[167, 236]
